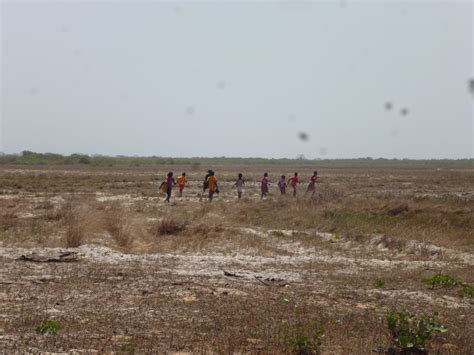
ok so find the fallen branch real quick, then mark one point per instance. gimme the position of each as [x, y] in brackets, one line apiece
[67, 256]
[231, 274]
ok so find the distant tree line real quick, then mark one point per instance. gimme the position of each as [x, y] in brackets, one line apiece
[33, 158]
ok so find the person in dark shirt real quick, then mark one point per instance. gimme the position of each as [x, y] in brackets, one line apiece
[167, 186]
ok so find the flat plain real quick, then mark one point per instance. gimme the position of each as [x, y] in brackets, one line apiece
[99, 252]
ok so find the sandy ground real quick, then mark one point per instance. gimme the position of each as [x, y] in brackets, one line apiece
[224, 297]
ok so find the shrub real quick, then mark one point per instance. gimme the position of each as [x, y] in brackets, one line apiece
[441, 279]
[410, 332]
[74, 226]
[302, 336]
[116, 223]
[277, 233]
[167, 226]
[379, 283]
[48, 327]
[447, 281]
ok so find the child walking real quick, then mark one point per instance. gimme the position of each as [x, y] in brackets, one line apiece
[239, 184]
[312, 184]
[293, 183]
[282, 185]
[204, 184]
[212, 185]
[264, 186]
[167, 186]
[182, 183]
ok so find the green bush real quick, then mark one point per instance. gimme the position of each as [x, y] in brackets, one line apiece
[48, 327]
[302, 336]
[447, 281]
[410, 332]
[379, 283]
[441, 279]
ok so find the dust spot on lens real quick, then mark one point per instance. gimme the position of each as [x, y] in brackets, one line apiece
[190, 110]
[404, 111]
[471, 86]
[388, 105]
[177, 9]
[323, 151]
[291, 118]
[221, 84]
[33, 91]
[63, 29]
[303, 136]
[77, 52]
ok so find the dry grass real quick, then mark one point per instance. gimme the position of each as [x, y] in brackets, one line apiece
[117, 224]
[180, 300]
[74, 223]
[167, 226]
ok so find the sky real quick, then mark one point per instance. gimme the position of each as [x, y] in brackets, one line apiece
[325, 79]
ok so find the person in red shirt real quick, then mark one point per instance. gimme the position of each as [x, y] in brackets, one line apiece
[293, 182]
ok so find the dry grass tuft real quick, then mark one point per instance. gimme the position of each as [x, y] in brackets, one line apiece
[75, 226]
[8, 220]
[167, 226]
[118, 226]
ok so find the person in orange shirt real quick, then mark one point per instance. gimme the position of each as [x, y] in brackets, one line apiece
[293, 182]
[182, 183]
[212, 185]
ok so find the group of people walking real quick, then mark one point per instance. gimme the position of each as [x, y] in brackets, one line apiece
[210, 184]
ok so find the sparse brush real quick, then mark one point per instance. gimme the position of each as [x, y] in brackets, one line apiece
[118, 226]
[447, 281]
[411, 333]
[277, 233]
[302, 336]
[379, 283]
[48, 327]
[8, 220]
[167, 226]
[74, 225]
[205, 229]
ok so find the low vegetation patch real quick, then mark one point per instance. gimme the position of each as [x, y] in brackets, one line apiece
[411, 333]
[447, 281]
[167, 226]
[118, 226]
[48, 327]
[302, 336]
[74, 225]
[379, 283]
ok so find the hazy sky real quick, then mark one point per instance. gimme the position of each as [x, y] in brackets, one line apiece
[237, 78]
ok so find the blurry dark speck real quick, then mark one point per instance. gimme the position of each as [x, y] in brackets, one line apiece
[221, 84]
[123, 96]
[388, 105]
[33, 91]
[190, 110]
[471, 86]
[303, 136]
[404, 111]
[323, 151]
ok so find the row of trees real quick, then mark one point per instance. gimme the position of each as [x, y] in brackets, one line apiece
[33, 158]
